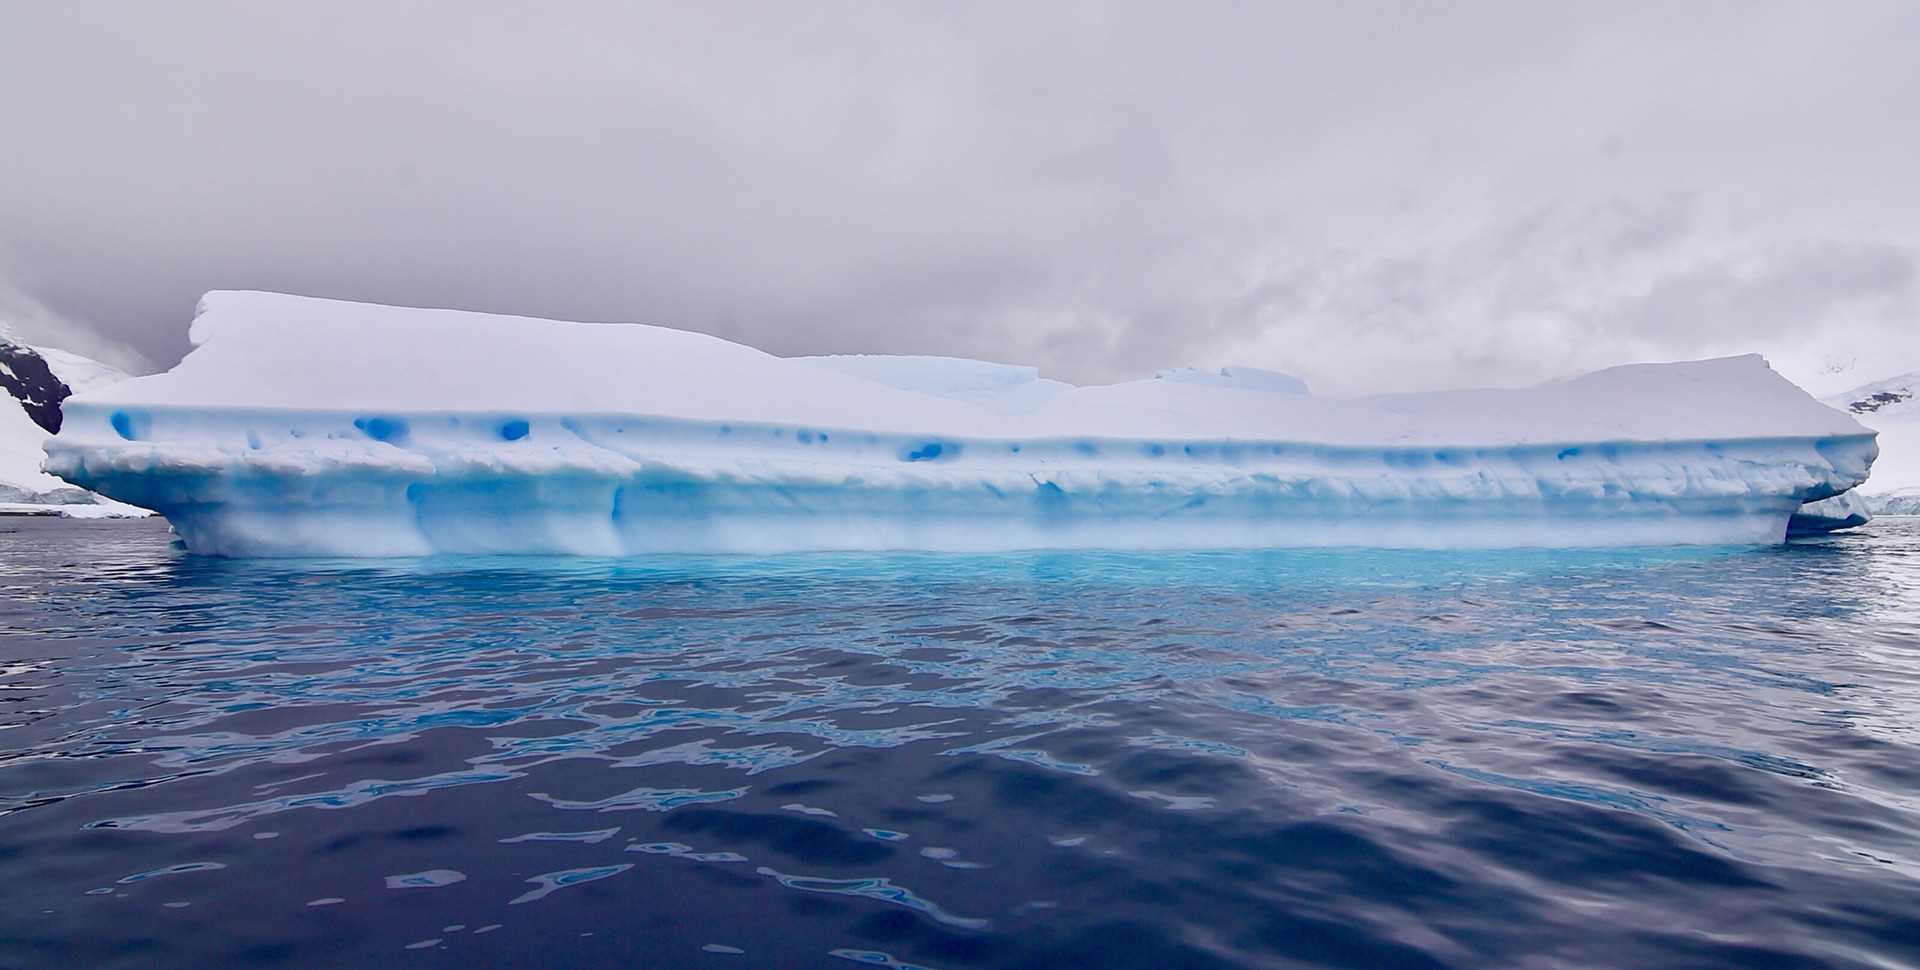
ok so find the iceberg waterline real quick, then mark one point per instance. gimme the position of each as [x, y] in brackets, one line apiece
[311, 427]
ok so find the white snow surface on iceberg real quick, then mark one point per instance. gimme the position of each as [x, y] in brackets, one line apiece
[300, 426]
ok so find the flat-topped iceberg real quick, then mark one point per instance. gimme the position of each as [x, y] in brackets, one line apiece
[301, 427]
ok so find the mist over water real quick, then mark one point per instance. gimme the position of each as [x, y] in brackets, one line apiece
[1635, 758]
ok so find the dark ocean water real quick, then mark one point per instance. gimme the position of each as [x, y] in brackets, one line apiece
[1667, 758]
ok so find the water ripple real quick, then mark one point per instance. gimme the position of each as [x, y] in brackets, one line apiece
[877, 888]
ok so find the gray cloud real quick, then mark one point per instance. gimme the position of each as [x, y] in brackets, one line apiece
[1376, 196]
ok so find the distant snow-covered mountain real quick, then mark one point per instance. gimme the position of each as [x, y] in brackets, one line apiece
[1883, 392]
[36, 380]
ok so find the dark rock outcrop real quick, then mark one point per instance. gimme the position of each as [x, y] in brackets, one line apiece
[25, 375]
[1878, 400]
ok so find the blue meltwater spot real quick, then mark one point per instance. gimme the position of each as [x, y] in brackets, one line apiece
[930, 451]
[514, 430]
[130, 425]
[382, 427]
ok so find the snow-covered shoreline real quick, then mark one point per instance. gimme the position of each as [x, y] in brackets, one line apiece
[33, 382]
[1890, 406]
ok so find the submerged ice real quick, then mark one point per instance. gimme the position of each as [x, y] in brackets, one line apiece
[302, 427]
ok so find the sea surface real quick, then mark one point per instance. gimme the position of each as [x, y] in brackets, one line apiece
[1638, 758]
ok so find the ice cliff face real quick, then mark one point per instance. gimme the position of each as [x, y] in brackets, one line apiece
[311, 427]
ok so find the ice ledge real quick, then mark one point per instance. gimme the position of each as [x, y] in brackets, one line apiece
[288, 483]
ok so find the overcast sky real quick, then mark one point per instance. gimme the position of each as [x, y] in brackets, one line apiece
[1372, 196]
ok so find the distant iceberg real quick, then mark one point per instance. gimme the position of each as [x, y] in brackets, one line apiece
[304, 427]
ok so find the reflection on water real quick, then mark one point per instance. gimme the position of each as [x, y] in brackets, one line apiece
[1333, 758]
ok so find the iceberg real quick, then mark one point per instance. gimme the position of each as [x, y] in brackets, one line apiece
[308, 427]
